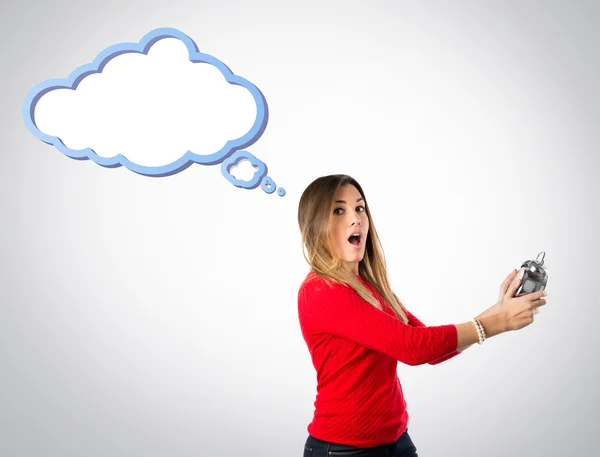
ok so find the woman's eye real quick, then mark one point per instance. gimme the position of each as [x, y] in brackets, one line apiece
[338, 211]
[360, 209]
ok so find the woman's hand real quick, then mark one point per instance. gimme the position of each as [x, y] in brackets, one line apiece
[504, 286]
[495, 309]
[519, 311]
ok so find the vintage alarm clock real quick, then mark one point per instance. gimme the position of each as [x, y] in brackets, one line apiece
[534, 276]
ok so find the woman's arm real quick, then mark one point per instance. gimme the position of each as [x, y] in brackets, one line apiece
[417, 323]
[340, 311]
[494, 309]
[491, 311]
[493, 324]
[467, 336]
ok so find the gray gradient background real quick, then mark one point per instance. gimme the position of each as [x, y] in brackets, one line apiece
[473, 127]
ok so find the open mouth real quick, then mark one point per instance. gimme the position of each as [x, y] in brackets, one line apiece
[355, 239]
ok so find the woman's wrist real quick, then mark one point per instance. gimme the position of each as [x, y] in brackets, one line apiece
[494, 309]
[494, 324]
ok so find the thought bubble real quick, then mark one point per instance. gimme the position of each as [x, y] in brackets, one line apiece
[237, 157]
[155, 107]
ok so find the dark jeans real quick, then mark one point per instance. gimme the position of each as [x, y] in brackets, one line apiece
[403, 447]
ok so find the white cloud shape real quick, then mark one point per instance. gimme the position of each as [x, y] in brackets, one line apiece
[244, 170]
[150, 108]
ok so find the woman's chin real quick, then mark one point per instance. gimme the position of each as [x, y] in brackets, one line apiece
[355, 258]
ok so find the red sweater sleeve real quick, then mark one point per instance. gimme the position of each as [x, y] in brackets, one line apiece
[340, 311]
[417, 323]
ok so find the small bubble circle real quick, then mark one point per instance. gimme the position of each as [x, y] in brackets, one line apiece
[281, 191]
[268, 185]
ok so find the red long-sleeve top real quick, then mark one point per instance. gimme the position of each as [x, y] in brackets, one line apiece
[355, 349]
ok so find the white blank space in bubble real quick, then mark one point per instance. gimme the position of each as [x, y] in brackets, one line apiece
[243, 170]
[150, 108]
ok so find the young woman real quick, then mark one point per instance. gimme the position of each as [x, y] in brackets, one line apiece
[357, 330]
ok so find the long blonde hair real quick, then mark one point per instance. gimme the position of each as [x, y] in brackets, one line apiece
[314, 217]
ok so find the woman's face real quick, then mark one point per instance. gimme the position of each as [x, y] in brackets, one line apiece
[349, 226]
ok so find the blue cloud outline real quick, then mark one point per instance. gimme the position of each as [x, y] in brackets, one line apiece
[236, 158]
[143, 47]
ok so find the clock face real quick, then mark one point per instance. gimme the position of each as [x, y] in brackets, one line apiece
[529, 286]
